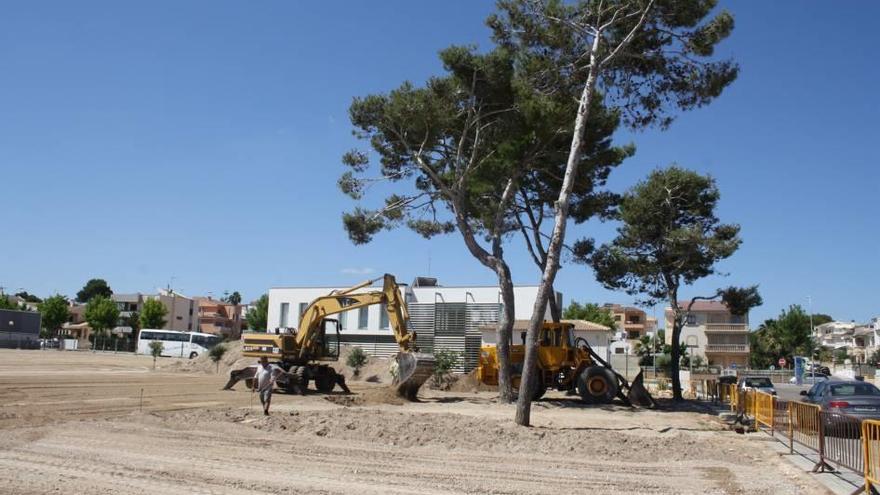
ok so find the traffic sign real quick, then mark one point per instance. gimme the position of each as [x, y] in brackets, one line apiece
[782, 362]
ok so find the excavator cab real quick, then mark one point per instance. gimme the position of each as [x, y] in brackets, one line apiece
[327, 346]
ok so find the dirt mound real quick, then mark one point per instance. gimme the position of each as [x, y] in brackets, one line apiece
[231, 360]
[377, 369]
[374, 396]
[469, 383]
[472, 434]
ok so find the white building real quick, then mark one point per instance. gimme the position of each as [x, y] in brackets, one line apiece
[712, 332]
[835, 334]
[442, 317]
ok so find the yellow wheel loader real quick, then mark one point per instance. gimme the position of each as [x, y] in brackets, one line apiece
[569, 364]
[305, 354]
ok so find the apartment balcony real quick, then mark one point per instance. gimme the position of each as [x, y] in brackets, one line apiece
[727, 348]
[726, 327]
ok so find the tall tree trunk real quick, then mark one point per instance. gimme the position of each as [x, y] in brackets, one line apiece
[554, 249]
[677, 323]
[496, 262]
[504, 334]
[676, 357]
[555, 310]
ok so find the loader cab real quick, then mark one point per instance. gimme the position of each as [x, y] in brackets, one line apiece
[556, 347]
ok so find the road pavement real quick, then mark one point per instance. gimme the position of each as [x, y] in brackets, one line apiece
[789, 392]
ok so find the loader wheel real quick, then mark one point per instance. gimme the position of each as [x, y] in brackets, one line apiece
[325, 380]
[597, 385]
[538, 390]
[302, 375]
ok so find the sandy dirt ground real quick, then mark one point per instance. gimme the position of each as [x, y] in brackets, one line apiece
[74, 422]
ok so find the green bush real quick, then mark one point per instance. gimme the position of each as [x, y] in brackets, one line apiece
[444, 361]
[216, 353]
[356, 360]
[156, 350]
[663, 361]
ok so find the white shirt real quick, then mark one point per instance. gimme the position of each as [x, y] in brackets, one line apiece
[266, 376]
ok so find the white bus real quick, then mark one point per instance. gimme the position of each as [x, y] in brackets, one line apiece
[176, 344]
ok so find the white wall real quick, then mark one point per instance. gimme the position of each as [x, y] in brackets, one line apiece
[524, 297]
[294, 296]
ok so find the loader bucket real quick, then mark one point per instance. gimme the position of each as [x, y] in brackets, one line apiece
[413, 370]
[638, 394]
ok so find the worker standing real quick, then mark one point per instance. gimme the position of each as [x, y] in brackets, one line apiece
[266, 376]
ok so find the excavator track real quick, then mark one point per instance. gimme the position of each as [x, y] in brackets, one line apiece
[413, 370]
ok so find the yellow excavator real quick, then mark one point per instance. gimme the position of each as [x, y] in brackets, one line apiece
[566, 363]
[304, 355]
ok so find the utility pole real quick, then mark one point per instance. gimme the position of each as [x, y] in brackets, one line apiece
[810, 306]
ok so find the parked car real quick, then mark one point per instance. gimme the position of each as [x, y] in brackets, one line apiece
[811, 378]
[759, 383]
[846, 403]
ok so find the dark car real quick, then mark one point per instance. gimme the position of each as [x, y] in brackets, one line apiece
[817, 368]
[850, 397]
[759, 383]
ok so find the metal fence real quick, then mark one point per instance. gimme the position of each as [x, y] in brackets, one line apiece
[871, 449]
[841, 441]
[840, 434]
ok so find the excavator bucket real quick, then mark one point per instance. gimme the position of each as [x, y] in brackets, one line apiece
[638, 394]
[413, 370]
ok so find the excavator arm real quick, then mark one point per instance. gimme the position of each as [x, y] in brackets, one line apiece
[413, 368]
[348, 300]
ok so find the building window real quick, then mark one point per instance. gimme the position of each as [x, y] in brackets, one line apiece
[302, 308]
[285, 309]
[634, 319]
[691, 320]
[363, 318]
[383, 317]
[616, 317]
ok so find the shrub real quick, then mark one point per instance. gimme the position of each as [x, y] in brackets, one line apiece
[156, 350]
[445, 360]
[356, 360]
[216, 353]
[663, 362]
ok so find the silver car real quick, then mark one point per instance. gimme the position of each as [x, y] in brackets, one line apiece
[850, 397]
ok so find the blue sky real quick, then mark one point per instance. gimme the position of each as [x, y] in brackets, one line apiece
[199, 142]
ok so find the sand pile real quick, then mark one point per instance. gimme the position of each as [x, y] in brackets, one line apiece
[468, 433]
[469, 383]
[373, 396]
[231, 360]
[377, 370]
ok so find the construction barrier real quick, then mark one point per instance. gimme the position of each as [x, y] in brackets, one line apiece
[840, 444]
[733, 395]
[840, 440]
[803, 425]
[764, 409]
[781, 423]
[871, 452]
